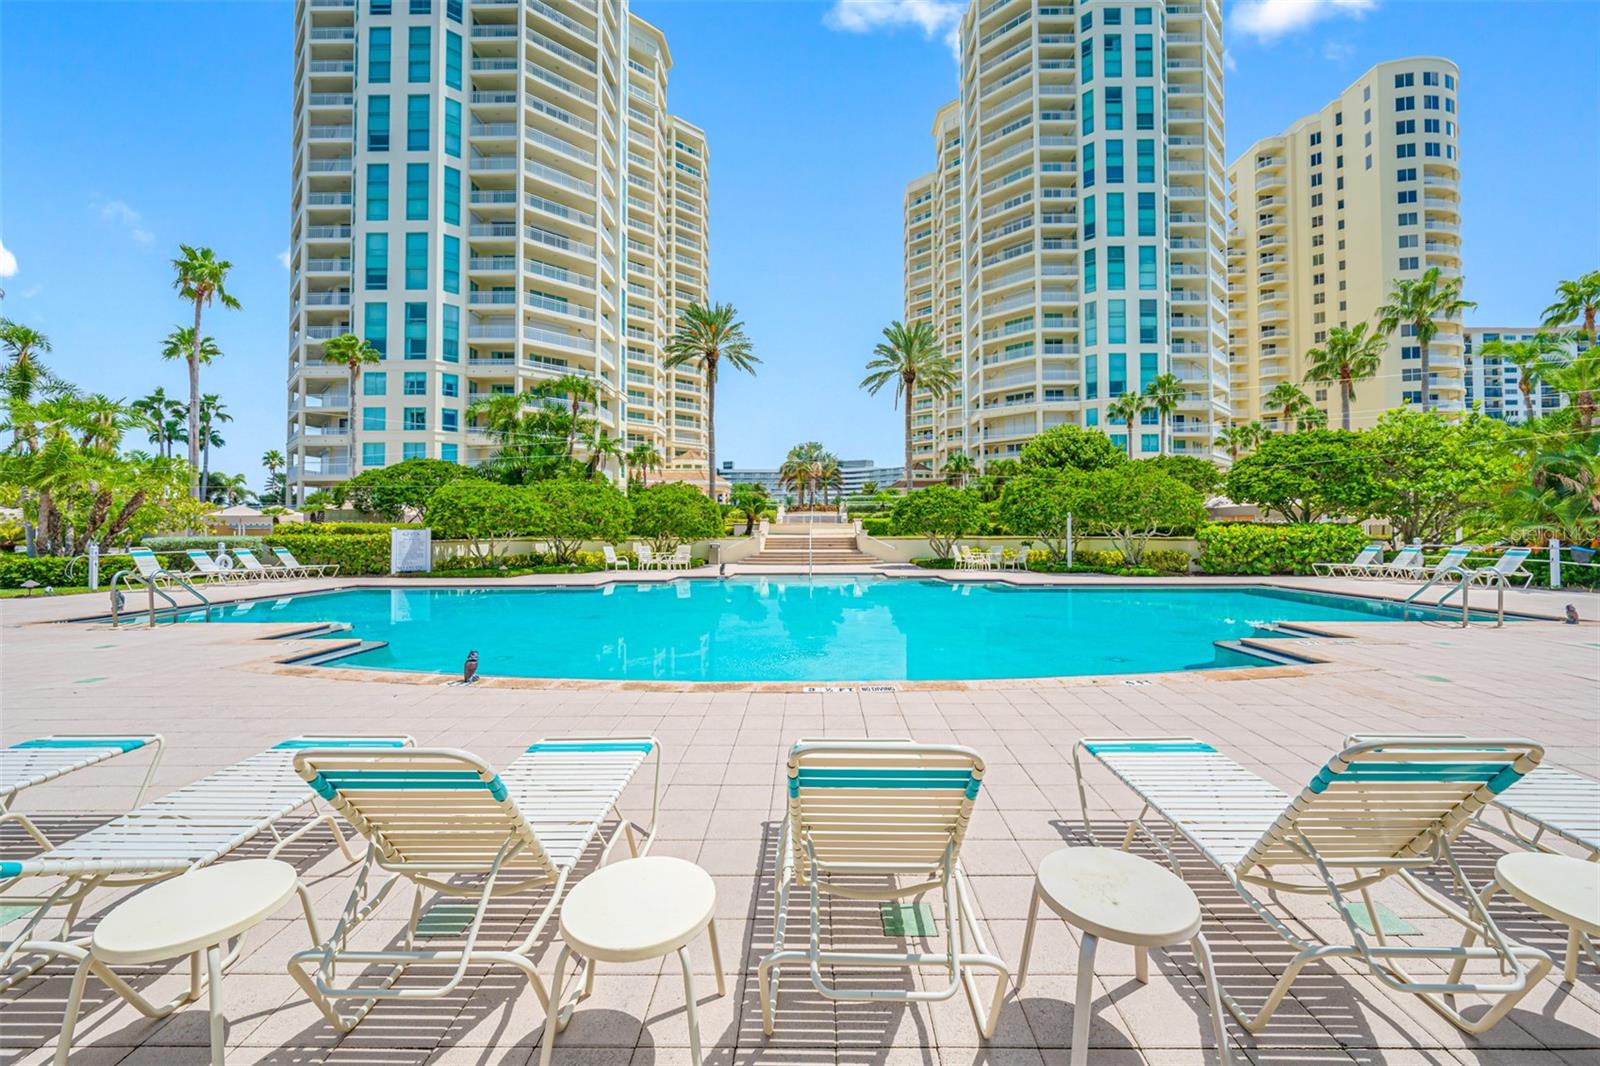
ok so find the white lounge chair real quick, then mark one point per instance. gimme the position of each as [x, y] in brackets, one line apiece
[1380, 809]
[286, 558]
[149, 565]
[443, 820]
[1548, 802]
[185, 829]
[33, 762]
[1407, 563]
[1508, 566]
[882, 808]
[254, 568]
[613, 560]
[1368, 556]
[1451, 562]
[211, 570]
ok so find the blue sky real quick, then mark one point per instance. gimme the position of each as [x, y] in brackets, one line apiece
[127, 127]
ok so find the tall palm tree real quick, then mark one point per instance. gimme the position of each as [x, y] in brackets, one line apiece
[1579, 381]
[213, 412]
[1287, 397]
[273, 461]
[1422, 303]
[1128, 408]
[802, 470]
[1236, 437]
[642, 458]
[1348, 356]
[1576, 300]
[201, 278]
[708, 334]
[959, 466]
[23, 377]
[182, 343]
[158, 410]
[102, 421]
[603, 449]
[910, 357]
[828, 475]
[1164, 393]
[232, 488]
[1532, 358]
[355, 353]
[578, 390]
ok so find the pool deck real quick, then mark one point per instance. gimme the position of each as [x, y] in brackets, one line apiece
[217, 695]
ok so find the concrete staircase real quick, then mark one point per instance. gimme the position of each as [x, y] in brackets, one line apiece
[787, 545]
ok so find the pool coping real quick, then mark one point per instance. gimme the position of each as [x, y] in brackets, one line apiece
[1301, 659]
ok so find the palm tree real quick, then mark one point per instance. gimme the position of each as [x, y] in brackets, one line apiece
[602, 448]
[1287, 397]
[1236, 437]
[355, 353]
[273, 461]
[910, 357]
[212, 414]
[22, 377]
[828, 475]
[102, 421]
[1576, 300]
[707, 335]
[578, 390]
[1128, 408]
[642, 458]
[802, 469]
[750, 498]
[1531, 357]
[231, 488]
[1164, 393]
[959, 466]
[201, 277]
[181, 343]
[1348, 356]
[1422, 303]
[1579, 381]
[159, 410]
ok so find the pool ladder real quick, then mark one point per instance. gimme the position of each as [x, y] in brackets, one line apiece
[130, 577]
[1463, 584]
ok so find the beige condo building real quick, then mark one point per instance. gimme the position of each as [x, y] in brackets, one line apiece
[1092, 232]
[493, 193]
[1325, 217]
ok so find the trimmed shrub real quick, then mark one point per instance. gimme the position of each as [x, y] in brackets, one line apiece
[1098, 559]
[1258, 548]
[942, 514]
[1166, 560]
[875, 525]
[568, 511]
[51, 570]
[364, 529]
[670, 513]
[163, 545]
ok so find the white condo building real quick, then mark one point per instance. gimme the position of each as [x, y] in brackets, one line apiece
[1494, 386]
[493, 193]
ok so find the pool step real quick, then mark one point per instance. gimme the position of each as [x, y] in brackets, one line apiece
[826, 547]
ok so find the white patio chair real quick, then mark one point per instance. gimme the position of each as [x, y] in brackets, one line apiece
[211, 570]
[33, 762]
[286, 557]
[612, 560]
[1368, 556]
[252, 567]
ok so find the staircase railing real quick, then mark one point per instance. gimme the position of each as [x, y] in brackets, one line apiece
[130, 577]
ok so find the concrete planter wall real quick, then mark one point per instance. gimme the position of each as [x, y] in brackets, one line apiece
[905, 549]
[720, 550]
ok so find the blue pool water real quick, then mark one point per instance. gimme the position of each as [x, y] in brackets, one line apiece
[781, 629]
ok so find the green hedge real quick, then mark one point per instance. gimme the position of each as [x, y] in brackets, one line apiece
[364, 529]
[1259, 548]
[163, 545]
[1167, 560]
[354, 553]
[51, 570]
[875, 525]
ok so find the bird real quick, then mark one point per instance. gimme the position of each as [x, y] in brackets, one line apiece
[722, 570]
[469, 669]
[1572, 615]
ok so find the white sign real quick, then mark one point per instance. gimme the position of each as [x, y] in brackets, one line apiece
[410, 551]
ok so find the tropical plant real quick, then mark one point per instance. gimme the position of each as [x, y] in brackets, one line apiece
[1575, 301]
[940, 513]
[23, 379]
[1429, 474]
[1346, 357]
[353, 352]
[707, 335]
[571, 510]
[803, 470]
[910, 357]
[1067, 448]
[401, 490]
[577, 390]
[1306, 476]
[228, 489]
[273, 461]
[486, 514]
[673, 512]
[959, 467]
[640, 460]
[1133, 502]
[1579, 382]
[201, 278]
[162, 418]
[1289, 398]
[1127, 409]
[1423, 303]
[213, 412]
[1532, 358]
[1199, 474]
[603, 448]
[750, 500]
[1041, 507]
[1241, 437]
[1164, 393]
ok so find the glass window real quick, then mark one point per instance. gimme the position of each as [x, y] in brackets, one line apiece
[1147, 266]
[414, 418]
[1116, 268]
[1113, 107]
[375, 327]
[1088, 165]
[1143, 56]
[1114, 216]
[449, 419]
[378, 123]
[1147, 160]
[1113, 16]
[452, 59]
[373, 418]
[422, 7]
[1088, 218]
[452, 10]
[1141, 16]
[1149, 442]
[451, 270]
[450, 334]
[1116, 321]
[379, 7]
[450, 453]
[1117, 379]
[452, 128]
[378, 55]
[419, 49]
[416, 260]
[1090, 259]
[1091, 324]
[1088, 112]
[416, 331]
[1144, 108]
[1149, 328]
[1147, 369]
[1113, 162]
[375, 382]
[1113, 50]
[1086, 59]
[1091, 378]
[452, 196]
[377, 261]
[1147, 214]
[417, 123]
[416, 384]
[1092, 417]
[377, 192]
[413, 450]
[416, 190]
[449, 385]
[371, 454]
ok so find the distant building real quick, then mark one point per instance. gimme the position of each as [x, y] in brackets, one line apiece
[856, 474]
[1496, 385]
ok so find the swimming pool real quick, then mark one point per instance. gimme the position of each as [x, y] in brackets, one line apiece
[821, 629]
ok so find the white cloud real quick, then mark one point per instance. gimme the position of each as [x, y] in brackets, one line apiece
[117, 212]
[8, 262]
[934, 17]
[1267, 20]
[31, 291]
[283, 257]
[1228, 61]
[1337, 51]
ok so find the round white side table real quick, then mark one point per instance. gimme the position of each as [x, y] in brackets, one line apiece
[1557, 886]
[1118, 896]
[193, 914]
[633, 910]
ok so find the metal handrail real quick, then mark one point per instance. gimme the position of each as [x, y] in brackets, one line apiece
[128, 577]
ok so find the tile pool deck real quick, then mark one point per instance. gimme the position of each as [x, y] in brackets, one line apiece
[217, 696]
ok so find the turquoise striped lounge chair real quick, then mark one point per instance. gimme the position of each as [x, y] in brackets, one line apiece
[33, 762]
[446, 823]
[882, 808]
[1380, 809]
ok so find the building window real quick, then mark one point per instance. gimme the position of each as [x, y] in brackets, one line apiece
[1149, 442]
[1143, 56]
[452, 128]
[380, 7]
[1113, 107]
[375, 326]
[372, 454]
[449, 385]
[416, 260]
[419, 59]
[1088, 166]
[378, 55]
[373, 419]
[417, 123]
[1147, 160]
[422, 7]
[1091, 378]
[1116, 321]
[1149, 329]
[452, 263]
[452, 59]
[377, 261]
[1091, 325]
[417, 191]
[378, 124]
[449, 419]
[415, 384]
[1113, 50]
[452, 196]
[1088, 112]
[450, 453]
[450, 334]
[1113, 162]
[1403, 81]
[377, 192]
[1144, 106]
[1089, 224]
[413, 419]
[1086, 59]
[1408, 262]
[1116, 268]
[413, 450]
[1147, 266]
[1147, 214]
[1090, 278]
[1117, 379]
[416, 331]
[1114, 216]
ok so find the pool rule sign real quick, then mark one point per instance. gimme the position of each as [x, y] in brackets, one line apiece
[410, 551]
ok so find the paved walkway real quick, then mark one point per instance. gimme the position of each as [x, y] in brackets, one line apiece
[213, 693]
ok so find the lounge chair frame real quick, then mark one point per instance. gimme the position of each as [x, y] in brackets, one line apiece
[214, 572]
[1370, 556]
[911, 829]
[253, 567]
[33, 762]
[287, 560]
[1408, 834]
[493, 843]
